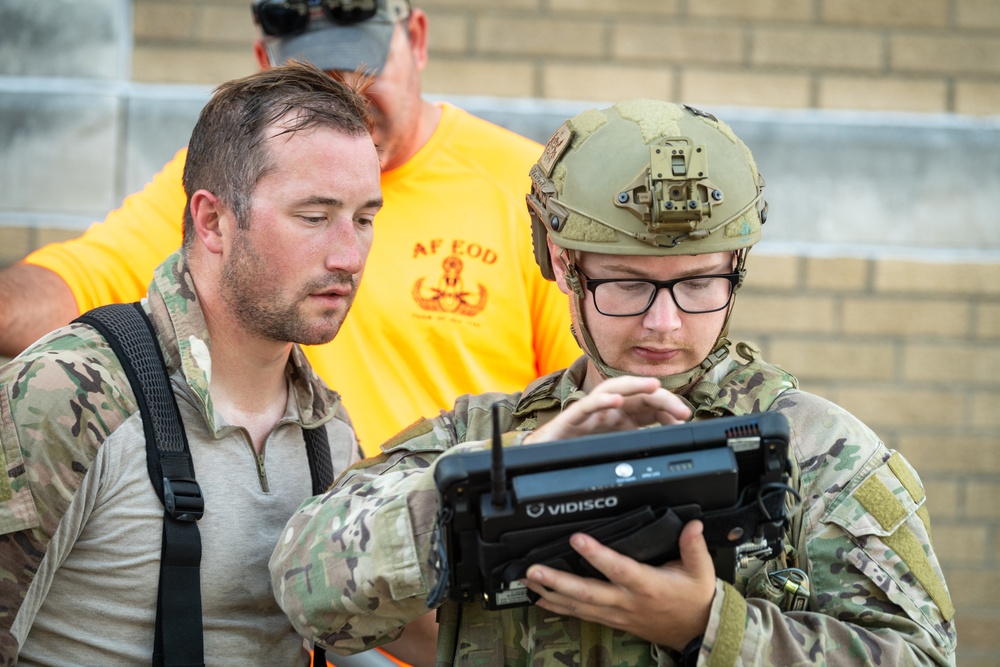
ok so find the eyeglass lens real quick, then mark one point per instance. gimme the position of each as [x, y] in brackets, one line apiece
[697, 294]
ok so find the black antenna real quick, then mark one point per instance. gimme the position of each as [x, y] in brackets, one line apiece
[498, 474]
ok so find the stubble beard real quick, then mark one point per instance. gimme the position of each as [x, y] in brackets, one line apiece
[249, 292]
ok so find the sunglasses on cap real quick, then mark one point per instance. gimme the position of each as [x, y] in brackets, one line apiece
[286, 18]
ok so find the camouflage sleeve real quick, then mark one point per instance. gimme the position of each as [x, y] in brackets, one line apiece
[878, 596]
[353, 566]
[59, 401]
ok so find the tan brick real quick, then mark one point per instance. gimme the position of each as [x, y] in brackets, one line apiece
[956, 54]
[961, 454]
[825, 390]
[986, 411]
[839, 273]
[771, 272]
[826, 48]
[667, 43]
[533, 36]
[430, 5]
[15, 243]
[982, 500]
[972, 657]
[988, 321]
[891, 13]
[605, 82]
[961, 545]
[617, 7]
[883, 94]
[920, 317]
[753, 10]
[47, 235]
[977, 97]
[197, 66]
[978, 631]
[745, 88]
[471, 76]
[942, 500]
[914, 277]
[895, 407]
[971, 588]
[976, 366]
[977, 14]
[448, 34]
[226, 25]
[163, 21]
[831, 360]
[780, 314]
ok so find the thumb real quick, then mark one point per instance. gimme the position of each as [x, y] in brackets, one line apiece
[694, 551]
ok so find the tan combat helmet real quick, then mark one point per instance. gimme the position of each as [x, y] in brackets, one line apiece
[645, 177]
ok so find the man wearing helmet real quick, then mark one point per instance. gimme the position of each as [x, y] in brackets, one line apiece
[643, 214]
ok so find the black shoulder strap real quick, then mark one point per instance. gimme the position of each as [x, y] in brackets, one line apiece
[320, 463]
[321, 472]
[178, 641]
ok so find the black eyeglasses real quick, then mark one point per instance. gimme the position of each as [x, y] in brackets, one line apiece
[624, 297]
[286, 18]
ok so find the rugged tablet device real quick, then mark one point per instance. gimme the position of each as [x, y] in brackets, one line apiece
[507, 508]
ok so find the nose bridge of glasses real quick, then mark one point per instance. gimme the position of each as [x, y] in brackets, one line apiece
[658, 301]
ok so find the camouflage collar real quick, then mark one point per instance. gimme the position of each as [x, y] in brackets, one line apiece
[172, 304]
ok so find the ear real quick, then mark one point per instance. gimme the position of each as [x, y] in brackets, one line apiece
[558, 265]
[416, 26]
[260, 53]
[207, 214]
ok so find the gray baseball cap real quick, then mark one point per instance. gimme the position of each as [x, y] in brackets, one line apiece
[336, 46]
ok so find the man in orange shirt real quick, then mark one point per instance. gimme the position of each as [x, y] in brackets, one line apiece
[451, 302]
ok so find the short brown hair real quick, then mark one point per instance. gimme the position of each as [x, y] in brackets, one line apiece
[228, 152]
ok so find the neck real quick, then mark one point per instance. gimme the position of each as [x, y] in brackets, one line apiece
[247, 382]
[429, 116]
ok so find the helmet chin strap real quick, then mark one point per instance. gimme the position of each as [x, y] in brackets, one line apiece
[669, 382]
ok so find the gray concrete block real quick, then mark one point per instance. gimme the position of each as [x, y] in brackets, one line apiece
[58, 152]
[157, 128]
[923, 182]
[65, 38]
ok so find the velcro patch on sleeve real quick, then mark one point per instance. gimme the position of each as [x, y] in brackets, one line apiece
[906, 544]
[891, 510]
[729, 638]
[880, 502]
[6, 493]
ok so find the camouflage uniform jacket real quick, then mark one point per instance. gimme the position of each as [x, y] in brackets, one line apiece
[80, 524]
[355, 565]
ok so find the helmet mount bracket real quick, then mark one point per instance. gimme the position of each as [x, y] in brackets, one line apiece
[673, 195]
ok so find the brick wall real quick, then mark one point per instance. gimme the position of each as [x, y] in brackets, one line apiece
[904, 55]
[913, 349]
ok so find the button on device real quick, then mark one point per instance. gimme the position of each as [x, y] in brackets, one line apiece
[623, 470]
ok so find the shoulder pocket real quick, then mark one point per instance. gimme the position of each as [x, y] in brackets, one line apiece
[886, 517]
[17, 505]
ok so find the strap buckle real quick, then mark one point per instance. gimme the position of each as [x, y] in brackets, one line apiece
[182, 498]
[795, 584]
